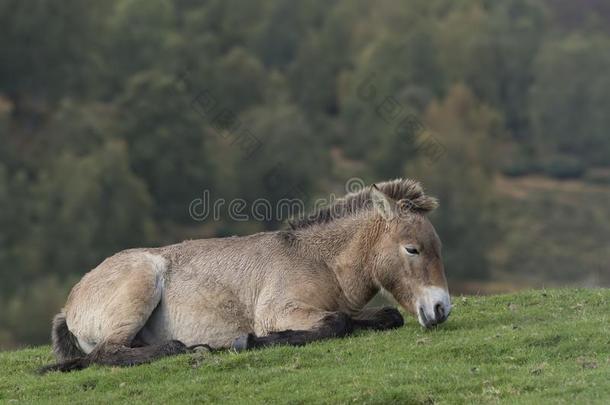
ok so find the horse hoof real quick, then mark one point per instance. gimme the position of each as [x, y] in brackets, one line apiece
[199, 348]
[244, 342]
[176, 347]
[393, 318]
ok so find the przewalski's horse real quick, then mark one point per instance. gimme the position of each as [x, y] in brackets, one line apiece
[285, 287]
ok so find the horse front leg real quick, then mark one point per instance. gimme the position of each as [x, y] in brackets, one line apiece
[378, 319]
[331, 325]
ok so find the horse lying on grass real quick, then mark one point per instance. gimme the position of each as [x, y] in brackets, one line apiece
[286, 287]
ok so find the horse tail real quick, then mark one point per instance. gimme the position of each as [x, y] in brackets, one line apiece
[66, 366]
[65, 345]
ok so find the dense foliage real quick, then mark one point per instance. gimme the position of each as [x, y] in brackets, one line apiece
[116, 114]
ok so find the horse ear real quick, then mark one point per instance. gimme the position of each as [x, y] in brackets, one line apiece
[382, 203]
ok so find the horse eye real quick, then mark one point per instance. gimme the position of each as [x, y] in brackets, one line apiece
[411, 251]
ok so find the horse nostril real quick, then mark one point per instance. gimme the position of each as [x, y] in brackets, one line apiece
[427, 322]
[422, 315]
[439, 312]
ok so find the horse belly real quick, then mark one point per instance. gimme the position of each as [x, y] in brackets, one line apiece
[213, 318]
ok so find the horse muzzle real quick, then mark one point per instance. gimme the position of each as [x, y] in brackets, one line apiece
[433, 306]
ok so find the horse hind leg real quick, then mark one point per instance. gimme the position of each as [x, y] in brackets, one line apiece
[128, 301]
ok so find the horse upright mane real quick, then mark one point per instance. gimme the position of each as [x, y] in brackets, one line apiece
[408, 193]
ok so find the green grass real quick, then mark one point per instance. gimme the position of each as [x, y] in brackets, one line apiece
[533, 347]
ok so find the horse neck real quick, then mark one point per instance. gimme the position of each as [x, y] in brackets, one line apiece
[345, 245]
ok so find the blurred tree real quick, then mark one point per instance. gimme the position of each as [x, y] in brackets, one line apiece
[239, 80]
[499, 48]
[9, 155]
[282, 166]
[141, 35]
[86, 208]
[28, 312]
[584, 16]
[77, 128]
[571, 97]
[397, 76]
[286, 28]
[15, 205]
[315, 84]
[49, 49]
[166, 137]
[230, 22]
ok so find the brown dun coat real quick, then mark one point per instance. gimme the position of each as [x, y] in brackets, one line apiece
[286, 287]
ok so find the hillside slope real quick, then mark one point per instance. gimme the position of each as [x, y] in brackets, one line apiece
[548, 346]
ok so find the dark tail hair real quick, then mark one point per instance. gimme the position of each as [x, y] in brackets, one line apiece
[65, 347]
[66, 366]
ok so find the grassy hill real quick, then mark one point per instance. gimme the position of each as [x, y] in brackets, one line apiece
[548, 346]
